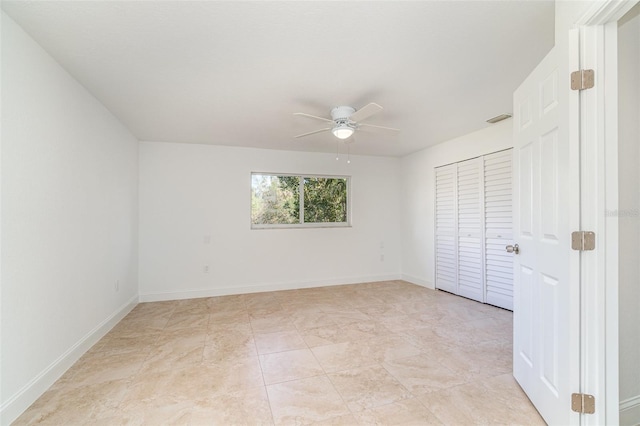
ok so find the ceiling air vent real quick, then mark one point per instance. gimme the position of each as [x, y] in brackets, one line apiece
[498, 118]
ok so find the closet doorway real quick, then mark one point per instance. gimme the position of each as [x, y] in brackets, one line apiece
[473, 226]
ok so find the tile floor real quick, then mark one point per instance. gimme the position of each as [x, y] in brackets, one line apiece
[374, 353]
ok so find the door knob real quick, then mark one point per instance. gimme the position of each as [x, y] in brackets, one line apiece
[513, 249]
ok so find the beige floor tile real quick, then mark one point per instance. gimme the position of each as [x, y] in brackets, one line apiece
[466, 363]
[368, 387]
[403, 412]
[410, 307]
[305, 401]
[477, 403]
[505, 388]
[396, 353]
[140, 326]
[304, 320]
[107, 367]
[246, 407]
[348, 316]
[169, 412]
[279, 341]
[339, 304]
[179, 321]
[169, 388]
[117, 343]
[146, 308]
[345, 420]
[344, 356]
[289, 365]
[397, 323]
[365, 330]
[364, 299]
[462, 312]
[269, 323]
[424, 338]
[228, 344]
[229, 321]
[171, 355]
[76, 405]
[231, 302]
[66, 380]
[382, 310]
[265, 309]
[492, 328]
[192, 306]
[328, 335]
[193, 383]
[235, 374]
[390, 347]
[459, 333]
[420, 374]
[183, 337]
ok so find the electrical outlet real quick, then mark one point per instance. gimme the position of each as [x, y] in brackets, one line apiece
[382, 258]
[381, 244]
[205, 269]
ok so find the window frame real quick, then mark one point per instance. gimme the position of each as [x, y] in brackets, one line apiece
[301, 224]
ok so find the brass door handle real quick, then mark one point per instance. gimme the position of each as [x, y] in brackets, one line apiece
[513, 249]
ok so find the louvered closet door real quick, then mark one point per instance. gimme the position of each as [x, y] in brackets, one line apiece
[470, 230]
[446, 227]
[498, 229]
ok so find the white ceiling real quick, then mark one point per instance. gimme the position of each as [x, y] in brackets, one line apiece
[233, 72]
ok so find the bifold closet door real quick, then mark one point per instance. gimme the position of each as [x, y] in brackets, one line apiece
[498, 229]
[470, 230]
[446, 229]
[473, 224]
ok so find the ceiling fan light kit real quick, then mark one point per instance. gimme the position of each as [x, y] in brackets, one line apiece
[342, 131]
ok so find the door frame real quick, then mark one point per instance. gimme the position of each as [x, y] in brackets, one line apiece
[599, 374]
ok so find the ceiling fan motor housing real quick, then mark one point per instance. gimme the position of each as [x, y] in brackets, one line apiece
[342, 113]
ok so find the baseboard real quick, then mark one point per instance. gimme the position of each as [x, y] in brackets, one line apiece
[21, 400]
[418, 281]
[259, 288]
[630, 411]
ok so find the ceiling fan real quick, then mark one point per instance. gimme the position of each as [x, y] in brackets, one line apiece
[345, 120]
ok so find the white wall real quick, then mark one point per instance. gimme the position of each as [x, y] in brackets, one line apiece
[190, 191]
[629, 209]
[417, 194]
[69, 220]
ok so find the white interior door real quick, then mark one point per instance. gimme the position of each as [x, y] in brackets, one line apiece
[446, 229]
[544, 362]
[498, 214]
[470, 229]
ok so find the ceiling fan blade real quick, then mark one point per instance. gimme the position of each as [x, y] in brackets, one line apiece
[314, 132]
[378, 127]
[312, 116]
[365, 112]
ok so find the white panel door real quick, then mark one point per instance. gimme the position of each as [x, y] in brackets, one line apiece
[543, 360]
[446, 229]
[470, 230]
[498, 214]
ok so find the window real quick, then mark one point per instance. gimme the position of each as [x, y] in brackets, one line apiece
[288, 201]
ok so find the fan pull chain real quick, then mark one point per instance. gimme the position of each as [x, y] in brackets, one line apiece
[337, 150]
[348, 153]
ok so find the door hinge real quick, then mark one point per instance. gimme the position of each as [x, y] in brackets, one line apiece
[583, 403]
[582, 79]
[583, 240]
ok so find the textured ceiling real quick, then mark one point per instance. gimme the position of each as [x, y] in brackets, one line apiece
[232, 73]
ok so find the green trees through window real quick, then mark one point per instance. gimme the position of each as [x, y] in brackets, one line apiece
[298, 200]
